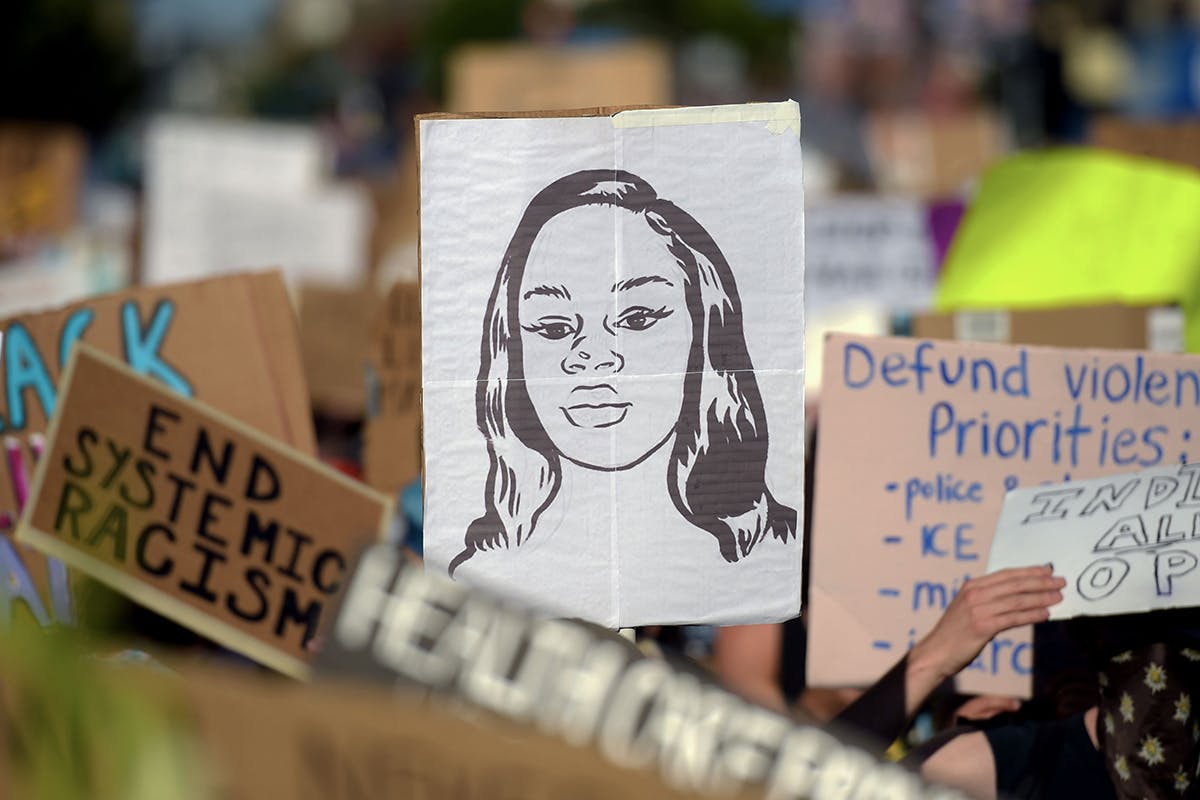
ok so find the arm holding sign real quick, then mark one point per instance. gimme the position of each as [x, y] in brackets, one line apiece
[983, 608]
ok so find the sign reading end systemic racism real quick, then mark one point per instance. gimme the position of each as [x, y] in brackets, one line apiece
[1125, 544]
[193, 514]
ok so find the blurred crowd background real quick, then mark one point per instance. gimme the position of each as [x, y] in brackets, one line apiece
[149, 141]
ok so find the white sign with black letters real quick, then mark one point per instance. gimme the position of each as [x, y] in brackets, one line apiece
[1125, 543]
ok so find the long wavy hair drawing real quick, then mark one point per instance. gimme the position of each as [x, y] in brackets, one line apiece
[716, 472]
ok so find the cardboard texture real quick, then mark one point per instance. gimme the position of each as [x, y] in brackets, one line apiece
[392, 434]
[920, 440]
[346, 743]
[224, 196]
[1158, 328]
[335, 342]
[1125, 543]
[612, 362]
[1177, 141]
[1052, 229]
[525, 77]
[193, 514]
[934, 155]
[41, 169]
[229, 342]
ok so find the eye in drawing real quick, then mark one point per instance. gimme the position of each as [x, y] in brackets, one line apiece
[552, 328]
[640, 318]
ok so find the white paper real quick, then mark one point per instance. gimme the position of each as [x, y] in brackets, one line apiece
[868, 250]
[226, 196]
[585, 394]
[1125, 543]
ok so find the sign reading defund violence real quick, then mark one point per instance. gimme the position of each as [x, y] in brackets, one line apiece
[193, 514]
[230, 342]
[918, 443]
[1126, 543]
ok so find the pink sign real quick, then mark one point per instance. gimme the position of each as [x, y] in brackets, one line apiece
[919, 441]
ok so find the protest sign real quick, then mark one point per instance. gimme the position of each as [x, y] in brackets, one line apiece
[224, 196]
[408, 628]
[193, 514]
[934, 155]
[918, 442]
[613, 365]
[1175, 140]
[526, 77]
[867, 250]
[392, 434]
[1038, 216]
[229, 342]
[1124, 543]
[41, 168]
[335, 344]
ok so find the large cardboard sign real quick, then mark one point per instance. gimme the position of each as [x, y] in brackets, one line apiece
[918, 443]
[193, 514]
[613, 364]
[230, 342]
[392, 434]
[1125, 543]
[527, 77]
[409, 628]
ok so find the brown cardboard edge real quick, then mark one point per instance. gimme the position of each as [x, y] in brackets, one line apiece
[284, 361]
[27, 534]
[143, 593]
[159, 601]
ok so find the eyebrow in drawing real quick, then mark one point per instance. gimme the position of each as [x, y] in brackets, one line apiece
[632, 283]
[548, 291]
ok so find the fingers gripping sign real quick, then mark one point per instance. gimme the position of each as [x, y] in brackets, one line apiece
[983, 608]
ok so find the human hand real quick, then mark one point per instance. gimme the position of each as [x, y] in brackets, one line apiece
[984, 607]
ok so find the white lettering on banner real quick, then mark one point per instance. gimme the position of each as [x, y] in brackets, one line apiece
[589, 689]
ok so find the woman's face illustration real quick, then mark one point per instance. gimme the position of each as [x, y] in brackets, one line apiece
[605, 336]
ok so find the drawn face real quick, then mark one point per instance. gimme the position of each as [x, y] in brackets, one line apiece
[602, 309]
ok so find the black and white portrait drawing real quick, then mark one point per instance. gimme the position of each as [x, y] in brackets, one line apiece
[622, 437]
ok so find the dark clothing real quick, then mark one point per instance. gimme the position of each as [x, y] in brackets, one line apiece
[1052, 759]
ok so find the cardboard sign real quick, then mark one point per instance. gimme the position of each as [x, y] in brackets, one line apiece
[41, 168]
[392, 435]
[400, 625]
[224, 196]
[193, 514]
[1175, 140]
[1125, 543]
[269, 739]
[1105, 326]
[919, 441]
[867, 250]
[613, 366]
[229, 342]
[524, 77]
[335, 343]
[934, 155]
